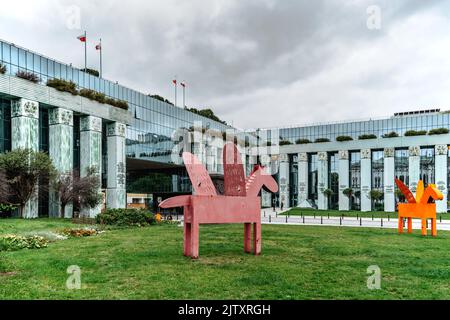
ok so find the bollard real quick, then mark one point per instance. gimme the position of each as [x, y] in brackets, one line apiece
[276, 214]
[321, 220]
[340, 221]
[389, 218]
[372, 217]
[360, 222]
[303, 219]
[314, 215]
[440, 218]
[270, 219]
[328, 215]
[286, 219]
[264, 214]
[382, 222]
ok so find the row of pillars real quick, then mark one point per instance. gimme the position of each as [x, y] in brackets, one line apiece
[441, 177]
[25, 134]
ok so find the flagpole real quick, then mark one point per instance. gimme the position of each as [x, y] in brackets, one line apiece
[184, 94]
[85, 51]
[175, 92]
[101, 48]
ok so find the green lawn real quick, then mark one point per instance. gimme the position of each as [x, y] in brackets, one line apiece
[352, 214]
[298, 262]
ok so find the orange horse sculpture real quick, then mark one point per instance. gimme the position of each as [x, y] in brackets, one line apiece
[240, 204]
[418, 207]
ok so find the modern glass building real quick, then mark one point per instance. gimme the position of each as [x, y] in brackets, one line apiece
[363, 157]
[125, 145]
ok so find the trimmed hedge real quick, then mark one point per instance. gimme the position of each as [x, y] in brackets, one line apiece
[63, 85]
[367, 137]
[126, 217]
[321, 140]
[390, 135]
[303, 141]
[438, 131]
[344, 138]
[413, 133]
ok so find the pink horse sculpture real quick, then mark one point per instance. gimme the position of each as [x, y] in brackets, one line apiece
[240, 204]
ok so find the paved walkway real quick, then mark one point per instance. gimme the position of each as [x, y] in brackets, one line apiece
[268, 216]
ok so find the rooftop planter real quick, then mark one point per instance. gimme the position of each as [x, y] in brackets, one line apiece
[2, 68]
[367, 137]
[285, 143]
[390, 135]
[344, 138]
[302, 141]
[413, 133]
[438, 131]
[322, 140]
[63, 86]
[30, 76]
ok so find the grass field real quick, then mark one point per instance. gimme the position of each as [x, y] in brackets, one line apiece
[353, 214]
[298, 262]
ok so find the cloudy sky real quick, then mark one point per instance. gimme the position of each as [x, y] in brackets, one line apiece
[258, 63]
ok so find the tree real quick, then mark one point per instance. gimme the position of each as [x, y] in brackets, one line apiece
[154, 182]
[83, 191]
[375, 195]
[327, 193]
[22, 169]
[348, 193]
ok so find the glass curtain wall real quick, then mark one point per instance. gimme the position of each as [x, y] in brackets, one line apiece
[312, 177]
[427, 165]
[333, 180]
[293, 180]
[377, 180]
[401, 171]
[355, 179]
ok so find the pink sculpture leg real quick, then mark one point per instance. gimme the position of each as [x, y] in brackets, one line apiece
[247, 237]
[187, 239]
[257, 238]
[194, 239]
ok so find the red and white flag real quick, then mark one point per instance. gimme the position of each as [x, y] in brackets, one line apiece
[82, 38]
[174, 82]
[98, 47]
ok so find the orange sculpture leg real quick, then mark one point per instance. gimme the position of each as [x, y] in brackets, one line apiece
[400, 225]
[409, 225]
[257, 238]
[247, 237]
[424, 227]
[433, 228]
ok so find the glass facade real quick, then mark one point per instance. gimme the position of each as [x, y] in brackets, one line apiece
[333, 180]
[355, 179]
[378, 177]
[427, 165]
[5, 125]
[293, 180]
[313, 177]
[399, 124]
[154, 121]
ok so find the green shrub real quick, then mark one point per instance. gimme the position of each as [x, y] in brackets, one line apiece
[117, 103]
[303, 141]
[30, 76]
[6, 210]
[126, 217]
[321, 140]
[2, 68]
[367, 137]
[285, 143]
[390, 135]
[438, 131]
[413, 133]
[344, 138]
[63, 85]
[14, 242]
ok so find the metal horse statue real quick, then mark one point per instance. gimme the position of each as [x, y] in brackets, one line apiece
[418, 207]
[240, 204]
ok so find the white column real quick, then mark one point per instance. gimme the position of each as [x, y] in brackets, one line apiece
[61, 153]
[90, 152]
[303, 180]
[322, 180]
[284, 180]
[389, 179]
[116, 193]
[441, 179]
[344, 180]
[25, 135]
[366, 180]
[414, 167]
